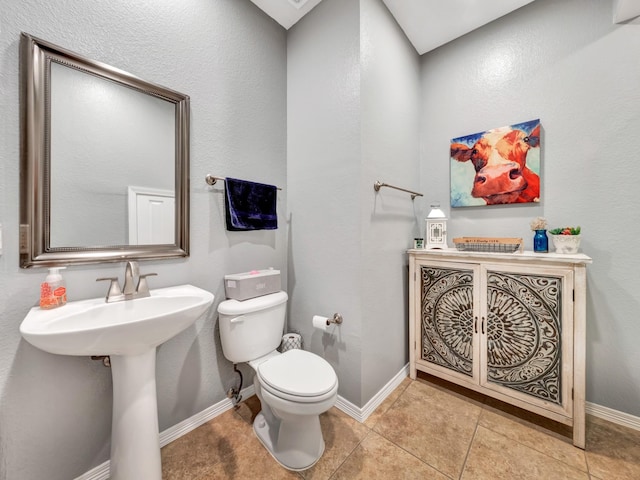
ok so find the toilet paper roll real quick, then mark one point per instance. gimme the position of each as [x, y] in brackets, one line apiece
[291, 341]
[321, 323]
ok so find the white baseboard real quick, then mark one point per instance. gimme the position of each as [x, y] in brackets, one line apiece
[191, 423]
[613, 416]
[361, 414]
[101, 472]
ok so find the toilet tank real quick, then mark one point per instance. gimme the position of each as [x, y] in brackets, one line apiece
[252, 328]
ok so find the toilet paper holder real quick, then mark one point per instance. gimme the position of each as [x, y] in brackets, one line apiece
[337, 319]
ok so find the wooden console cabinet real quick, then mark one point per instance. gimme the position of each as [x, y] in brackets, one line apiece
[511, 326]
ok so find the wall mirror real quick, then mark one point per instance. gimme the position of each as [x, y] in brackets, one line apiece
[104, 162]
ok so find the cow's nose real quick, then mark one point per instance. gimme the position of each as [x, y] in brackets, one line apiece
[481, 179]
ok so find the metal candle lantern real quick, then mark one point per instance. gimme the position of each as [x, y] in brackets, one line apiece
[436, 232]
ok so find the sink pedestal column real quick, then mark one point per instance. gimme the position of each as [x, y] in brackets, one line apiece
[135, 440]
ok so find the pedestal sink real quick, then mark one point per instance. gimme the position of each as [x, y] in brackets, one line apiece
[129, 332]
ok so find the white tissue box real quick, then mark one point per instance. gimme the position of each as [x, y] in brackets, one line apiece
[243, 286]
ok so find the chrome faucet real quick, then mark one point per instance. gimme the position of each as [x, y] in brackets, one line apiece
[129, 292]
[130, 272]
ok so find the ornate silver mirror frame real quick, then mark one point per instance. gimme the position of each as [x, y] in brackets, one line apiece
[36, 250]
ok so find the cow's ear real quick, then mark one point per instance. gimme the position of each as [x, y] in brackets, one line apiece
[461, 152]
[533, 139]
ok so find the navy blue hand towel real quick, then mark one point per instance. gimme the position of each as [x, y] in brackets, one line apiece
[249, 205]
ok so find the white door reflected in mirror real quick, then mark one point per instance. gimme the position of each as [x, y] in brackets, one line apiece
[151, 216]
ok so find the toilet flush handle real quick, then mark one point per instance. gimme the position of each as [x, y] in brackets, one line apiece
[236, 320]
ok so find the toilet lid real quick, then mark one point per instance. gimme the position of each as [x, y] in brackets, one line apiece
[298, 372]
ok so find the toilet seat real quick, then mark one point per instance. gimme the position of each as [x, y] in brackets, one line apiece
[299, 376]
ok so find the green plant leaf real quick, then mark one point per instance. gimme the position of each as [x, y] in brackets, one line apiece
[558, 231]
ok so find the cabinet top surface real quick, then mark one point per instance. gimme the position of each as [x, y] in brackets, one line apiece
[526, 256]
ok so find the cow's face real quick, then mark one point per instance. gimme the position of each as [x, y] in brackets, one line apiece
[499, 158]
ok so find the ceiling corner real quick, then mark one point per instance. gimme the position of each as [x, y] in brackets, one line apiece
[286, 12]
[625, 10]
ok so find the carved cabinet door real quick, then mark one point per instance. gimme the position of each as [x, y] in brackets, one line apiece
[448, 341]
[526, 334]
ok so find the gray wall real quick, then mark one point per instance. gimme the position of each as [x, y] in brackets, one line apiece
[352, 118]
[390, 93]
[569, 65]
[55, 411]
[323, 171]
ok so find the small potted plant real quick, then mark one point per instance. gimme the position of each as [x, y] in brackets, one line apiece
[540, 240]
[566, 239]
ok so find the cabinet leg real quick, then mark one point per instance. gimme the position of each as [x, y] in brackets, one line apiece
[579, 428]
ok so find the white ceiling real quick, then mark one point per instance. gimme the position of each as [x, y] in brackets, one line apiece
[427, 23]
[626, 10]
[431, 23]
[286, 12]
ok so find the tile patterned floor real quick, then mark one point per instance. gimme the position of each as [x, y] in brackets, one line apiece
[421, 431]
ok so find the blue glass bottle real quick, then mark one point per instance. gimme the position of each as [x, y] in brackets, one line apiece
[540, 241]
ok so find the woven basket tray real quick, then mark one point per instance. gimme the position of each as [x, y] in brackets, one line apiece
[488, 244]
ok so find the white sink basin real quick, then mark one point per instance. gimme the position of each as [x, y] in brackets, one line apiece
[93, 327]
[129, 332]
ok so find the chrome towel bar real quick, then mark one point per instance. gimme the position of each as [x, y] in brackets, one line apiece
[212, 179]
[378, 185]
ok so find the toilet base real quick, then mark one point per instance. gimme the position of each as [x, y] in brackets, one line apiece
[295, 447]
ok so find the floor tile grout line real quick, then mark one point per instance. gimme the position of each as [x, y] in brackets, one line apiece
[369, 430]
[481, 407]
[411, 453]
[473, 437]
[537, 450]
[586, 459]
[382, 414]
[350, 453]
[400, 446]
[485, 406]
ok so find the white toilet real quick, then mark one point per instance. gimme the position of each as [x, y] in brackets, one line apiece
[294, 387]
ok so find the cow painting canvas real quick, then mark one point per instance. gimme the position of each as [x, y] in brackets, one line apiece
[499, 166]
